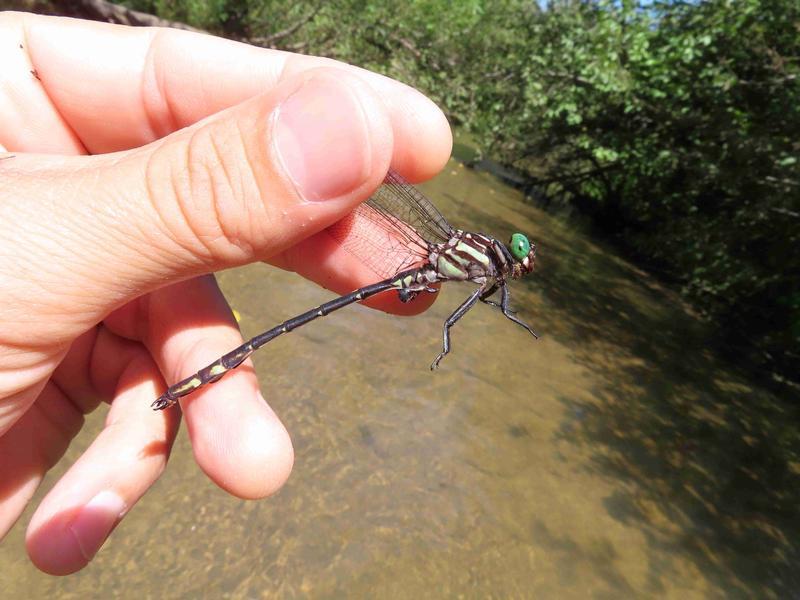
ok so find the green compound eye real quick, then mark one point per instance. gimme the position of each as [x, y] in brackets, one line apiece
[519, 246]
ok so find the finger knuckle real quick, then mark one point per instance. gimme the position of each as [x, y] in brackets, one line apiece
[210, 188]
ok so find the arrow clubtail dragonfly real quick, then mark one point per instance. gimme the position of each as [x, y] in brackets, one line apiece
[399, 224]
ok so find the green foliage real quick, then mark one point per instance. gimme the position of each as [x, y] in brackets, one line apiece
[674, 125]
[678, 132]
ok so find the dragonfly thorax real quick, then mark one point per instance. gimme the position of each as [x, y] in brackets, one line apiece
[469, 256]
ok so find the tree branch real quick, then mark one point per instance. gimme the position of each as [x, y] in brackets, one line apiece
[100, 10]
[268, 41]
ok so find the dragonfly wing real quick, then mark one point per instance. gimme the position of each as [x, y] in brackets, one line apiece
[400, 200]
[392, 230]
[378, 242]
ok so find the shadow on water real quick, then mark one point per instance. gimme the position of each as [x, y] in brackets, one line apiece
[709, 463]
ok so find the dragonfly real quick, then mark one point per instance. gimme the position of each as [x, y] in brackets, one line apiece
[400, 235]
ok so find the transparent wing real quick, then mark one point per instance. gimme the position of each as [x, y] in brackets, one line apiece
[398, 200]
[390, 232]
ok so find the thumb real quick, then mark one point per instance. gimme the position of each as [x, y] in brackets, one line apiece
[84, 235]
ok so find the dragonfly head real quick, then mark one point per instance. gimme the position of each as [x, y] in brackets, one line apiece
[523, 252]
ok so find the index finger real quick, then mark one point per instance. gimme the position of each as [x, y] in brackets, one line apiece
[120, 87]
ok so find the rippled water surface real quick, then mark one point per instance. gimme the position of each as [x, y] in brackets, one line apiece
[613, 458]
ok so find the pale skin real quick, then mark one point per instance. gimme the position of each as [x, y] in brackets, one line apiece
[205, 154]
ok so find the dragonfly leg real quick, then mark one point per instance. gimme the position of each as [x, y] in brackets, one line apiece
[452, 319]
[485, 295]
[407, 294]
[505, 298]
[489, 292]
[485, 298]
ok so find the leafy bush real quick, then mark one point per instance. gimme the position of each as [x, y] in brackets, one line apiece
[677, 128]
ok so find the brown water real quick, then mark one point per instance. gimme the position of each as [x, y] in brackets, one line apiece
[613, 458]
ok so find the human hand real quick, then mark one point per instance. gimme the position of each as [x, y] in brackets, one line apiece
[161, 156]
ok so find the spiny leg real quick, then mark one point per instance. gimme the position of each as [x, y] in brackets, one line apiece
[452, 319]
[505, 298]
[407, 294]
[485, 298]
[487, 294]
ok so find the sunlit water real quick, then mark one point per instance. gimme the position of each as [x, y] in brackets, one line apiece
[613, 458]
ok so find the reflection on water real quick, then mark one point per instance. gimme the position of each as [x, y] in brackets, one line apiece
[613, 457]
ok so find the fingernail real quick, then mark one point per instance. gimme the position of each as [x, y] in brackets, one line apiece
[95, 521]
[322, 139]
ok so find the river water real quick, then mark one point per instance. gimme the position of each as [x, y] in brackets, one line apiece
[615, 457]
